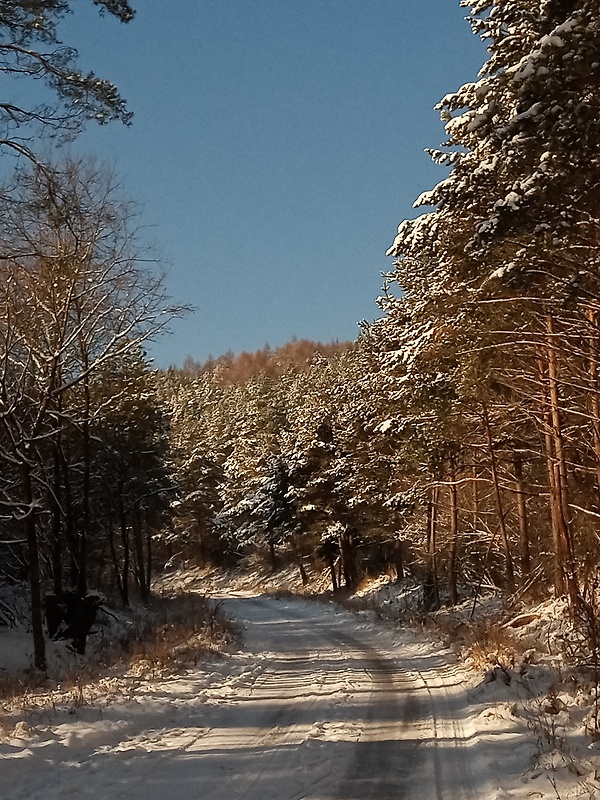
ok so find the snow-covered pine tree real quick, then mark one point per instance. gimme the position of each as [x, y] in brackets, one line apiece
[506, 266]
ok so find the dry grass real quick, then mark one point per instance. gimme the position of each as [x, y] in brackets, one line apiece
[484, 642]
[182, 631]
[173, 633]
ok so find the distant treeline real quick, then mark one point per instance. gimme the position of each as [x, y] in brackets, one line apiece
[237, 369]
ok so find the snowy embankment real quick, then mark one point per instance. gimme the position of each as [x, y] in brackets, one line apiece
[320, 703]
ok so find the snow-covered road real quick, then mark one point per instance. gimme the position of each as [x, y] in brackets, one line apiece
[320, 704]
[331, 707]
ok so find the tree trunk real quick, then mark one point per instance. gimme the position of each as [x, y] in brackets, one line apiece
[594, 396]
[298, 560]
[272, 553]
[70, 522]
[553, 498]
[138, 543]
[566, 553]
[334, 580]
[115, 559]
[431, 587]
[82, 584]
[522, 513]
[399, 560]
[148, 559]
[453, 589]
[126, 552]
[510, 575]
[35, 579]
[475, 477]
[56, 528]
[348, 557]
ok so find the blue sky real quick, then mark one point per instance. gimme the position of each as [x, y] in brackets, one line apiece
[275, 146]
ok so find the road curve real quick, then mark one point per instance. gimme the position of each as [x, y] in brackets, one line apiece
[337, 709]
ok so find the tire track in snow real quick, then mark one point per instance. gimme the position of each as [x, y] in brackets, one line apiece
[383, 754]
[451, 768]
[383, 763]
[411, 743]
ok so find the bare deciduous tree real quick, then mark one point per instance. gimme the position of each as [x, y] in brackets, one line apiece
[77, 293]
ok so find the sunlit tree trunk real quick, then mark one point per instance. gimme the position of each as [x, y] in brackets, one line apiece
[298, 560]
[475, 485]
[522, 516]
[334, 580]
[348, 560]
[561, 490]
[510, 575]
[554, 504]
[452, 586]
[594, 397]
[398, 558]
[431, 586]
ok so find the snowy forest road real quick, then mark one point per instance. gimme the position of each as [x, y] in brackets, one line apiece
[319, 704]
[332, 715]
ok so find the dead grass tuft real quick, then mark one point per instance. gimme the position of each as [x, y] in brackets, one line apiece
[182, 631]
[484, 642]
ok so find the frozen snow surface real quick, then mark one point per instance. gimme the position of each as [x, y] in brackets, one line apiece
[318, 703]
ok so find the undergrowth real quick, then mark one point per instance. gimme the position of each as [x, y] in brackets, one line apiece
[485, 642]
[171, 633]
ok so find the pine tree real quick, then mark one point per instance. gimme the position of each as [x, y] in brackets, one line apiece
[30, 47]
[500, 280]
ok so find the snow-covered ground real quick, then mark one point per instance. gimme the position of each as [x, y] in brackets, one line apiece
[319, 703]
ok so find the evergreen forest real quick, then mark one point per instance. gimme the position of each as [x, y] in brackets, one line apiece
[455, 443]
